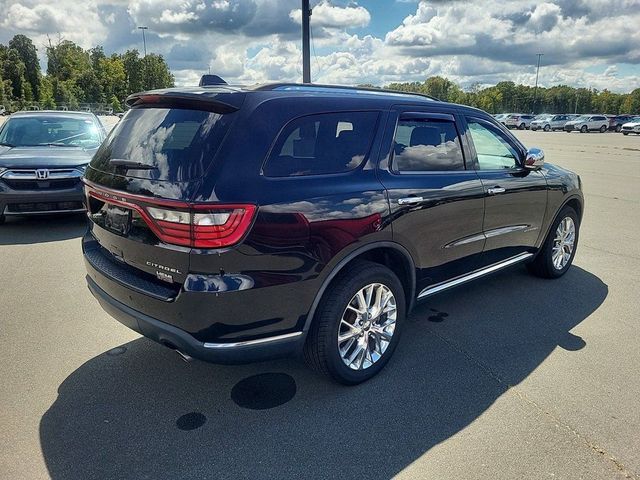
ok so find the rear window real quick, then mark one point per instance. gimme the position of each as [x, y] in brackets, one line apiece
[322, 144]
[174, 144]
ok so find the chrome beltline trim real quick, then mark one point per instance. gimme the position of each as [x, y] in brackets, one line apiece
[473, 275]
[249, 343]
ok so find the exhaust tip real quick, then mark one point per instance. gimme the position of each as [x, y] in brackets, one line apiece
[187, 358]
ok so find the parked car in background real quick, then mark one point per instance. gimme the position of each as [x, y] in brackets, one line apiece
[348, 207]
[43, 156]
[633, 126]
[588, 123]
[550, 123]
[615, 123]
[500, 117]
[519, 121]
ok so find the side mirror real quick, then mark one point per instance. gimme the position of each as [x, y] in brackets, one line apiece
[534, 159]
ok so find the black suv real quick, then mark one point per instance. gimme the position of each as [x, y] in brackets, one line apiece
[239, 224]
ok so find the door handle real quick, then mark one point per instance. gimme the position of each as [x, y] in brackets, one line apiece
[409, 200]
[496, 190]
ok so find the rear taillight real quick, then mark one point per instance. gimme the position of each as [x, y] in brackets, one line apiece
[203, 225]
[195, 225]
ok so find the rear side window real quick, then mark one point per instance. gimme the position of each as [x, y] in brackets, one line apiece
[426, 145]
[176, 144]
[322, 144]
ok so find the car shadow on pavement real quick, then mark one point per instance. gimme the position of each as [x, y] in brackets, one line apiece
[40, 229]
[138, 412]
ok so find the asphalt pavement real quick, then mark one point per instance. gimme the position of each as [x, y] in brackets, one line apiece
[509, 377]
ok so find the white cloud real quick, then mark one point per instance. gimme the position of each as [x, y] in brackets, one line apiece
[475, 41]
[328, 15]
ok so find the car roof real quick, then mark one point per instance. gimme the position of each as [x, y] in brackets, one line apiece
[375, 97]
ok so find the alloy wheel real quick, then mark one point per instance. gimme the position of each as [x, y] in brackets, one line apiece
[367, 326]
[563, 243]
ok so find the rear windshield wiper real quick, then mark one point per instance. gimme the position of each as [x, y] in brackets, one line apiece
[131, 164]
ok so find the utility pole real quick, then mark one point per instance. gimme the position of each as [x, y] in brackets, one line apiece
[306, 54]
[535, 91]
[144, 43]
[144, 40]
[576, 110]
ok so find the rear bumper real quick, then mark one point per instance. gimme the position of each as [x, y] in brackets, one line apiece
[267, 348]
[30, 202]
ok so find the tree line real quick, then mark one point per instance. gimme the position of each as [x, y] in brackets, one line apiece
[510, 97]
[75, 76]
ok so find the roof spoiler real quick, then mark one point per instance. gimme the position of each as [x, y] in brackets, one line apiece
[193, 101]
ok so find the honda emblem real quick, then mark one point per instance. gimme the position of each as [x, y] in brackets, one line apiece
[42, 174]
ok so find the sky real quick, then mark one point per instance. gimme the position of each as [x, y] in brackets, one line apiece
[586, 43]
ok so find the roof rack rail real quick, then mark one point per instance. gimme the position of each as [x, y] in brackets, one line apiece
[310, 86]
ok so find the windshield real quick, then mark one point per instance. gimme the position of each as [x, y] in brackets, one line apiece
[581, 119]
[61, 131]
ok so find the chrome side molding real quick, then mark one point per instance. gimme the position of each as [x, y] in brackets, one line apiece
[248, 343]
[473, 275]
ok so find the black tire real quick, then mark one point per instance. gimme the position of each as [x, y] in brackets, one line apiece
[542, 265]
[603, 128]
[584, 129]
[321, 348]
[522, 126]
[618, 128]
[625, 133]
[547, 128]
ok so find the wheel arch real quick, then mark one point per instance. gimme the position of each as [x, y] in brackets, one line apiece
[574, 201]
[390, 254]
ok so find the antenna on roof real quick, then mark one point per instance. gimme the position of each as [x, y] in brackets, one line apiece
[206, 80]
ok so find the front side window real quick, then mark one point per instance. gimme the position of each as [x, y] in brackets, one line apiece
[493, 150]
[426, 145]
[322, 144]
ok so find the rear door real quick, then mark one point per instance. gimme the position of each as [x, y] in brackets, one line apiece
[515, 198]
[141, 180]
[436, 202]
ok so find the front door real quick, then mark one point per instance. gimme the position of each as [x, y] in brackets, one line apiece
[436, 202]
[515, 198]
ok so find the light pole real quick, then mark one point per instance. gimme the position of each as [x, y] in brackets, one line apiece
[535, 91]
[306, 54]
[144, 43]
[144, 40]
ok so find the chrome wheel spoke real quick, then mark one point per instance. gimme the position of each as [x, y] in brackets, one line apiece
[367, 326]
[563, 243]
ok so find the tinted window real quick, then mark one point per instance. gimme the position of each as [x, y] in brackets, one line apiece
[61, 131]
[322, 144]
[493, 150]
[426, 145]
[180, 143]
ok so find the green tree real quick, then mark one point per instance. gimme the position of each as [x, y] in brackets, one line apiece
[12, 69]
[28, 54]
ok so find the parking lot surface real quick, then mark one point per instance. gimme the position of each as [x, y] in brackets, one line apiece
[509, 377]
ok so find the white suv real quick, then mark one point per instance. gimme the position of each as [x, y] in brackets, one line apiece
[552, 122]
[518, 121]
[588, 123]
[631, 127]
